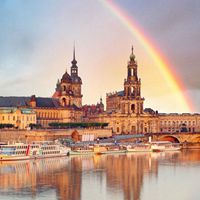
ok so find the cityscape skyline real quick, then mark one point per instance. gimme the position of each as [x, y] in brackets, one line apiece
[37, 46]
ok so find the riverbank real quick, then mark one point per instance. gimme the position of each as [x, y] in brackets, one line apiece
[50, 134]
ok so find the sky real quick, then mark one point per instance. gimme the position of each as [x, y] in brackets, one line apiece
[37, 38]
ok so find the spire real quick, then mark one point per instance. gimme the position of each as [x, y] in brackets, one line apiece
[132, 56]
[74, 62]
[74, 67]
[74, 52]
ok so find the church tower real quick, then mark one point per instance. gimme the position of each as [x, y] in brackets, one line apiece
[132, 101]
[68, 89]
[76, 82]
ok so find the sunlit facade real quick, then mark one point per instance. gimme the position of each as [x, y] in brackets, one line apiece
[125, 112]
[18, 117]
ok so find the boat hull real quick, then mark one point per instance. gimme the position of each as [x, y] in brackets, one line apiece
[112, 152]
[167, 149]
[14, 158]
[165, 146]
[81, 153]
[138, 150]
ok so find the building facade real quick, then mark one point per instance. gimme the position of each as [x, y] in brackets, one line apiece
[20, 118]
[93, 109]
[125, 112]
[64, 106]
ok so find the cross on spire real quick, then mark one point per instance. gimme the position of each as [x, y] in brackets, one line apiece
[132, 50]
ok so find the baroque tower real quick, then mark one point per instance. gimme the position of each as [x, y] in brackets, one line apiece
[132, 101]
[68, 89]
[128, 101]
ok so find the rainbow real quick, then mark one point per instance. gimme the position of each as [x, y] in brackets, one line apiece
[161, 63]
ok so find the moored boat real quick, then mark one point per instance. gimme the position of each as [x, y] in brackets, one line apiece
[21, 151]
[158, 146]
[139, 148]
[82, 151]
[109, 150]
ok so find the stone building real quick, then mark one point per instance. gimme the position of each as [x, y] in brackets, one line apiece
[93, 109]
[174, 122]
[68, 89]
[64, 106]
[125, 112]
[128, 101]
[20, 118]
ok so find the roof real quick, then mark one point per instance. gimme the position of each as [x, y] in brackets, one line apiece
[120, 93]
[41, 102]
[13, 109]
[66, 78]
[14, 101]
[116, 94]
[47, 102]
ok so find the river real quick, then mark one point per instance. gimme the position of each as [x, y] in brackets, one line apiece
[134, 176]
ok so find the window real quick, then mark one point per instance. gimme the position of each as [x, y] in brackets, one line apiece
[133, 107]
[64, 102]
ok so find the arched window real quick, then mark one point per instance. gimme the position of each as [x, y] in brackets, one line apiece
[132, 91]
[133, 107]
[64, 103]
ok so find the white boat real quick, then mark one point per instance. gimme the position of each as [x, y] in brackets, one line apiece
[139, 148]
[158, 146]
[21, 151]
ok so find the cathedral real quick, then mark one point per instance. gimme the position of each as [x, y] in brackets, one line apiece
[125, 112]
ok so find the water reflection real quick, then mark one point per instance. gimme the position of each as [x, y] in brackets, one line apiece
[88, 177]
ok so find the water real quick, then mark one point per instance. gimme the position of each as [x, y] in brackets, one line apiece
[134, 176]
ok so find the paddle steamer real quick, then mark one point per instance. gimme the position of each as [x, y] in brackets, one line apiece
[21, 151]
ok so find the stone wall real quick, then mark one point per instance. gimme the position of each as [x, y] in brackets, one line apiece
[48, 135]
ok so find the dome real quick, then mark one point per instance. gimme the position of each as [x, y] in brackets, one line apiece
[76, 79]
[66, 78]
[132, 57]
